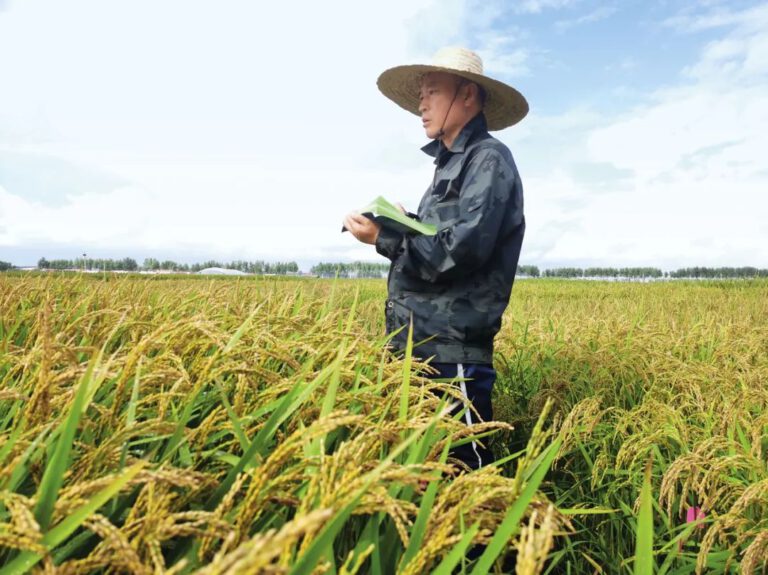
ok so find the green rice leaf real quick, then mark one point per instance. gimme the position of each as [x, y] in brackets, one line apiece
[456, 554]
[283, 410]
[233, 341]
[320, 544]
[425, 509]
[405, 388]
[27, 559]
[53, 477]
[644, 564]
[234, 420]
[511, 523]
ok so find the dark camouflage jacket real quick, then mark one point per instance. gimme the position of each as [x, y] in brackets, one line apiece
[455, 285]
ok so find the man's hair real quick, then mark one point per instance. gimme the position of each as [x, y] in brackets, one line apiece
[481, 95]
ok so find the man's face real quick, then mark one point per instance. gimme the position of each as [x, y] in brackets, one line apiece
[437, 91]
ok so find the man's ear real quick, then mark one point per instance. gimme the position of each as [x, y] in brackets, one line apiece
[472, 90]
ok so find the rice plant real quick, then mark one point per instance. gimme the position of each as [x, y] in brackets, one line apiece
[671, 372]
[240, 426]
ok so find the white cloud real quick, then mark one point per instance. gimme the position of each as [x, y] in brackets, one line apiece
[477, 25]
[623, 65]
[600, 13]
[715, 125]
[536, 6]
[188, 78]
[677, 181]
[235, 129]
[696, 152]
[668, 223]
[226, 209]
[503, 57]
[246, 132]
[712, 15]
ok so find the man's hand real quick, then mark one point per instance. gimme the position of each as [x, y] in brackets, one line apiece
[364, 229]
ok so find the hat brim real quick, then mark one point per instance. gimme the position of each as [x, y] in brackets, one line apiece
[504, 106]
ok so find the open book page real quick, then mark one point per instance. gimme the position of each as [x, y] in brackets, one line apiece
[389, 216]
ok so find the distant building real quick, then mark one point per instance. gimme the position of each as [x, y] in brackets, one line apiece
[222, 272]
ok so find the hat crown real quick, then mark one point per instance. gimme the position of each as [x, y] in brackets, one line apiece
[460, 59]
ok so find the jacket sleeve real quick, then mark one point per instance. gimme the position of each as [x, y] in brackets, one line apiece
[489, 200]
[390, 243]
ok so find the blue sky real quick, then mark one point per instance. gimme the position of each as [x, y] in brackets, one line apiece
[241, 130]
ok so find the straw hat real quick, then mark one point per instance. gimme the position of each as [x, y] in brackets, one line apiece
[504, 106]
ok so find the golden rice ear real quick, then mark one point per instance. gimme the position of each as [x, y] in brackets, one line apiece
[229, 426]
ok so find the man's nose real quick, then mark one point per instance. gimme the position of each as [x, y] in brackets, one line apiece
[422, 105]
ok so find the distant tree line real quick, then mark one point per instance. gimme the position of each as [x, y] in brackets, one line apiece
[634, 273]
[623, 273]
[714, 273]
[377, 270]
[647, 272]
[5, 266]
[353, 270]
[110, 265]
[256, 267]
[152, 264]
[365, 269]
[529, 271]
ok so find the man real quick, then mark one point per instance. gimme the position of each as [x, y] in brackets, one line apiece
[455, 286]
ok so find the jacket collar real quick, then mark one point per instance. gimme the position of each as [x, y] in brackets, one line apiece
[437, 150]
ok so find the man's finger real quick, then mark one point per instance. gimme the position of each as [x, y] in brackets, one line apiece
[355, 223]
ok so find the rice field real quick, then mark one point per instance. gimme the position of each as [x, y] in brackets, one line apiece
[257, 425]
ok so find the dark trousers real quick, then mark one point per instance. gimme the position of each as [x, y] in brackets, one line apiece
[476, 385]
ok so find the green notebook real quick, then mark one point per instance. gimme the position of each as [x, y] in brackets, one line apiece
[389, 216]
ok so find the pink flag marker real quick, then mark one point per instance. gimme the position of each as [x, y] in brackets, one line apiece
[692, 514]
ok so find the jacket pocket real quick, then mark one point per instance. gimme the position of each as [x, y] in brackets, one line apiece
[447, 212]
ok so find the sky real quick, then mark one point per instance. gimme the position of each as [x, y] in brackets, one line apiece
[192, 130]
